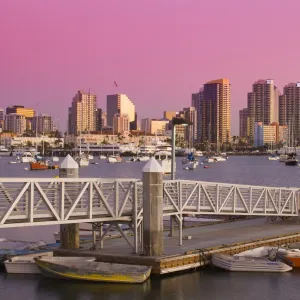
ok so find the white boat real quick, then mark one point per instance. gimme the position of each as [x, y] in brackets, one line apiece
[114, 159]
[198, 153]
[142, 158]
[209, 160]
[248, 264]
[165, 160]
[273, 157]
[102, 157]
[91, 157]
[24, 264]
[191, 165]
[4, 151]
[27, 157]
[55, 159]
[82, 160]
[219, 158]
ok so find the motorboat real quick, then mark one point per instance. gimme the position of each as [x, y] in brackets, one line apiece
[165, 160]
[209, 159]
[248, 264]
[91, 157]
[273, 157]
[82, 160]
[24, 264]
[42, 165]
[102, 157]
[81, 269]
[27, 157]
[4, 151]
[283, 157]
[219, 158]
[291, 161]
[55, 159]
[143, 158]
[198, 153]
[114, 159]
[190, 163]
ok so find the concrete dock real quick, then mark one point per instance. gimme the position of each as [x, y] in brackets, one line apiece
[230, 237]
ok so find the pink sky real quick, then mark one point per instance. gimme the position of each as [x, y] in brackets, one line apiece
[158, 53]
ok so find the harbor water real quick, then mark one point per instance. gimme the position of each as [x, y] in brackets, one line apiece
[198, 284]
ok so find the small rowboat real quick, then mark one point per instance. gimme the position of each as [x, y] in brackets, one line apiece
[92, 271]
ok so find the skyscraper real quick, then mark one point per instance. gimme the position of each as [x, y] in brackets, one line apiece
[289, 111]
[1, 118]
[244, 117]
[214, 112]
[196, 102]
[119, 104]
[15, 123]
[190, 114]
[262, 103]
[83, 113]
[42, 124]
[98, 119]
[120, 124]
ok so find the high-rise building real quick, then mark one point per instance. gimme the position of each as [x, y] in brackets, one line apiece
[119, 104]
[169, 115]
[134, 124]
[269, 135]
[104, 119]
[120, 124]
[214, 112]
[20, 110]
[262, 104]
[83, 113]
[196, 102]
[190, 114]
[15, 123]
[98, 119]
[289, 111]
[1, 118]
[42, 124]
[244, 122]
[146, 125]
[158, 126]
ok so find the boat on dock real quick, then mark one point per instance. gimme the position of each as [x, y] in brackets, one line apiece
[24, 264]
[248, 264]
[93, 271]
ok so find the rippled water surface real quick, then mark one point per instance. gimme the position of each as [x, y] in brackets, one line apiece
[204, 284]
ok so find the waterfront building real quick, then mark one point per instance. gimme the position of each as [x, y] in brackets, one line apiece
[169, 115]
[15, 123]
[158, 127]
[196, 102]
[262, 104]
[42, 124]
[146, 125]
[1, 119]
[271, 135]
[99, 120]
[120, 124]
[244, 122]
[190, 135]
[82, 113]
[289, 111]
[213, 111]
[14, 141]
[134, 124]
[119, 104]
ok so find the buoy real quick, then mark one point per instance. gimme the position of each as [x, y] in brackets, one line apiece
[205, 167]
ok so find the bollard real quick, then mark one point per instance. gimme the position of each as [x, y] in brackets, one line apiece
[69, 233]
[153, 209]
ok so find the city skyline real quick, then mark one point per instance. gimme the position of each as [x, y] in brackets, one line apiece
[158, 54]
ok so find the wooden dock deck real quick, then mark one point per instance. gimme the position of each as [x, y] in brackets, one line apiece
[229, 238]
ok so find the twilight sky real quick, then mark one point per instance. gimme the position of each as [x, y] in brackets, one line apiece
[158, 51]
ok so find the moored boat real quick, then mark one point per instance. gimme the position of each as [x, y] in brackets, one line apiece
[273, 157]
[42, 165]
[114, 159]
[248, 264]
[165, 160]
[24, 264]
[291, 161]
[93, 271]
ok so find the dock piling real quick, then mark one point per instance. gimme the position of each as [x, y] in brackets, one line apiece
[69, 233]
[153, 209]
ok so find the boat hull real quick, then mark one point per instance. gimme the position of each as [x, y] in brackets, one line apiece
[105, 272]
[242, 264]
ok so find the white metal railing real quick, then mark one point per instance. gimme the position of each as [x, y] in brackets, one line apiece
[36, 201]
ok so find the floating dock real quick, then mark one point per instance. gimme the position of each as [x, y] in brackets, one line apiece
[229, 238]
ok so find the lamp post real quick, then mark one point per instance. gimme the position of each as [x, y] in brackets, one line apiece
[175, 121]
